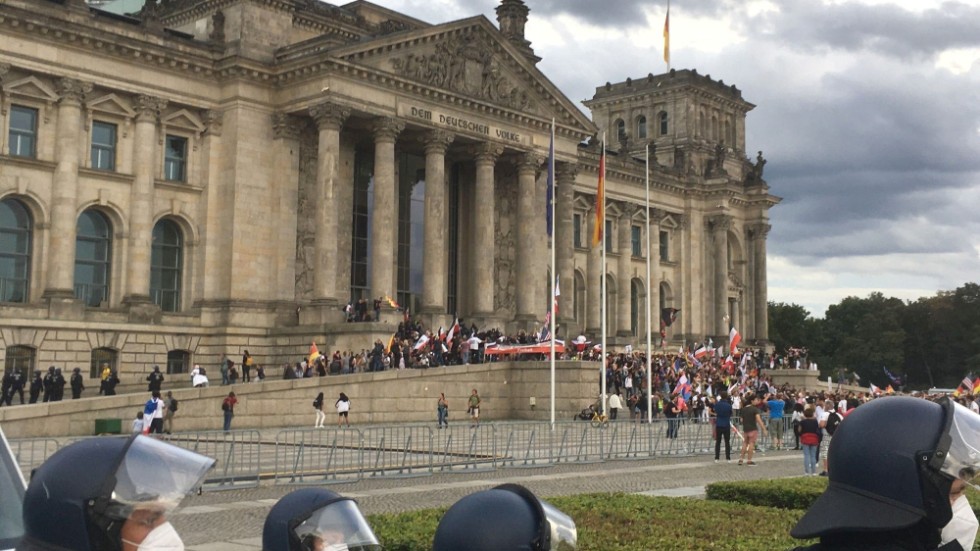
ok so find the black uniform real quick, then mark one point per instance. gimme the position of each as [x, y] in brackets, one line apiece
[36, 385]
[17, 385]
[77, 384]
[5, 388]
[110, 384]
[48, 384]
[155, 378]
[57, 386]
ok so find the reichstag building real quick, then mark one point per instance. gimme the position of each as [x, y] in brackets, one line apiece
[185, 179]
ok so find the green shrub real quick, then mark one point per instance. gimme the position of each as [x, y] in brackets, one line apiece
[628, 522]
[786, 493]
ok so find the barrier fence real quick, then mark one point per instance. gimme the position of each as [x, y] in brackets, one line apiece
[336, 455]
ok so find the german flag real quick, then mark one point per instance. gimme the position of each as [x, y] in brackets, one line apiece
[600, 202]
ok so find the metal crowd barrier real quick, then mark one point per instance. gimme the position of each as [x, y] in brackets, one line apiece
[464, 448]
[525, 445]
[318, 456]
[31, 452]
[398, 451]
[238, 454]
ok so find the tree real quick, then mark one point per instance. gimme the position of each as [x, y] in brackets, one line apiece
[789, 325]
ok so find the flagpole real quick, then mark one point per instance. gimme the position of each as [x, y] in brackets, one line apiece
[649, 287]
[554, 273]
[602, 369]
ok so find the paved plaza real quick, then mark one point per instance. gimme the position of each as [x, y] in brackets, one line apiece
[232, 520]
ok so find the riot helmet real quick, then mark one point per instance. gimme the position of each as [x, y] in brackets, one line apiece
[315, 519]
[890, 466]
[88, 494]
[505, 518]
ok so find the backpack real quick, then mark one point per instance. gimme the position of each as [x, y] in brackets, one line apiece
[150, 407]
[224, 406]
[173, 404]
[832, 422]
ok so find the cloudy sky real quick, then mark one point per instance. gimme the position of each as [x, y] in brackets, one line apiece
[868, 112]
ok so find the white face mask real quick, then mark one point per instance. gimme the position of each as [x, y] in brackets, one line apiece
[161, 538]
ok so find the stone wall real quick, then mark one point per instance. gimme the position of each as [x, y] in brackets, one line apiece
[397, 396]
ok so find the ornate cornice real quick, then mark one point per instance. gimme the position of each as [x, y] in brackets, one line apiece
[486, 153]
[759, 230]
[529, 162]
[720, 222]
[285, 126]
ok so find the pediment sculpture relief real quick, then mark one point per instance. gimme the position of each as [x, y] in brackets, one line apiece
[465, 64]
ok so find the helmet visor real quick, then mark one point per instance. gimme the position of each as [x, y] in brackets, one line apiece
[154, 474]
[963, 458]
[564, 535]
[338, 526]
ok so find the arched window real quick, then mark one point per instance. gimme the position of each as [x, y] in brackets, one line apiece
[93, 250]
[20, 358]
[620, 130]
[166, 265]
[102, 357]
[663, 123]
[16, 231]
[641, 127]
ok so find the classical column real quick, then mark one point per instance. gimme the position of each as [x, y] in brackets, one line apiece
[285, 136]
[759, 233]
[484, 229]
[384, 219]
[434, 253]
[528, 224]
[593, 286]
[564, 197]
[720, 225]
[329, 118]
[145, 168]
[64, 189]
[624, 272]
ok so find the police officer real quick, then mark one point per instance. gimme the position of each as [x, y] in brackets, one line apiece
[315, 519]
[57, 385]
[506, 518]
[155, 378]
[892, 463]
[5, 386]
[107, 494]
[16, 385]
[48, 385]
[37, 384]
[77, 383]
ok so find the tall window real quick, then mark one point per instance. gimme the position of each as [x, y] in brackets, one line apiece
[103, 146]
[23, 131]
[635, 241]
[635, 307]
[16, 230]
[175, 159]
[411, 228]
[620, 130]
[20, 358]
[177, 361]
[101, 358]
[577, 229]
[166, 265]
[641, 127]
[608, 237]
[663, 123]
[93, 249]
[360, 260]
[664, 246]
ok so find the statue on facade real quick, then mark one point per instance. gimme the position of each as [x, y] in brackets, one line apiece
[218, 27]
[754, 175]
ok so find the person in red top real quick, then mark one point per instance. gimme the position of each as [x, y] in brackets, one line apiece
[228, 407]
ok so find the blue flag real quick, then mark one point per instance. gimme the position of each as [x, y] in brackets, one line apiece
[549, 203]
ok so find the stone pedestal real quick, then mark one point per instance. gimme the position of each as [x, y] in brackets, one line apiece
[321, 312]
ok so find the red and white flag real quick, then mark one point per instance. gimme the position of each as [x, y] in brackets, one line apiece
[452, 331]
[733, 339]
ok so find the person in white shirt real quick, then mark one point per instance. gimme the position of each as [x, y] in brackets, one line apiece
[963, 526]
[614, 404]
[474, 343]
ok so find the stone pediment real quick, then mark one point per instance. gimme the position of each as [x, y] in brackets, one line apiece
[113, 105]
[183, 119]
[469, 58]
[31, 87]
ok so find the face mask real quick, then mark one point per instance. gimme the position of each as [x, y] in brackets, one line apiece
[161, 538]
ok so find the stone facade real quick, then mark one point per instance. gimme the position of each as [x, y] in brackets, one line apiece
[207, 176]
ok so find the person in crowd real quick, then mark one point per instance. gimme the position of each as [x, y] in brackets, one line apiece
[722, 412]
[615, 402]
[828, 421]
[442, 410]
[37, 384]
[318, 408]
[671, 412]
[137, 425]
[228, 407]
[225, 365]
[77, 384]
[473, 408]
[809, 437]
[16, 386]
[58, 386]
[168, 414]
[103, 377]
[776, 426]
[343, 409]
[962, 528]
[110, 383]
[155, 379]
[199, 379]
[247, 363]
[751, 425]
[110, 494]
[797, 418]
[48, 388]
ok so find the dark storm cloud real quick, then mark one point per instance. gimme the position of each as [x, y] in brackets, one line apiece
[885, 28]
